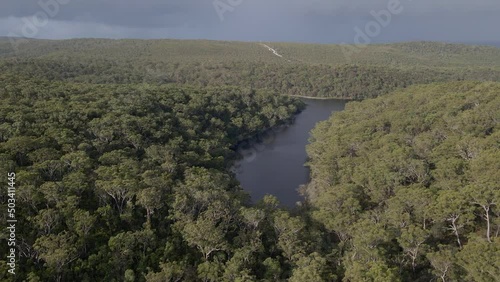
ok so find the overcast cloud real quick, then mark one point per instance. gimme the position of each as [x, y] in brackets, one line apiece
[326, 21]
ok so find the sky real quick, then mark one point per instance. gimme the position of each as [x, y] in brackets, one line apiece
[315, 21]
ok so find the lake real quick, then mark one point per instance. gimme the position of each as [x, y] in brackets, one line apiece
[275, 165]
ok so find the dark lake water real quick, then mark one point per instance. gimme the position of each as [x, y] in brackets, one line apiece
[276, 164]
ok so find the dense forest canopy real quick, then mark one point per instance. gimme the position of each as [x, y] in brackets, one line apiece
[122, 150]
[349, 72]
[182, 51]
[116, 181]
[409, 183]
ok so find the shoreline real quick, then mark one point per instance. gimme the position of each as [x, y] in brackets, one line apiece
[322, 98]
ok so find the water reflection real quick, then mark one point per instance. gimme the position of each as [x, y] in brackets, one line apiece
[275, 165]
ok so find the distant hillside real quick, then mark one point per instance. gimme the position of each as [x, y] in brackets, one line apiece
[398, 54]
[301, 69]
[489, 43]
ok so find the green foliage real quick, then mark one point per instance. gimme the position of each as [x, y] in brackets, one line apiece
[409, 181]
[131, 182]
[306, 69]
[122, 150]
[481, 259]
[312, 268]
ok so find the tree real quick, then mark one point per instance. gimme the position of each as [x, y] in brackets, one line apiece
[150, 199]
[77, 161]
[289, 234]
[375, 270]
[343, 210]
[410, 205]
[210, 271]
[57, 250]
[412, 241]
[119, 182]
[481, 259]
[484, 187]
[205, 235]
[443, 262]
[452, 207]
[273, 269]
[129, 276]
[47, 220]
[127, 247]
[311, 268]
[170, 271]
[82, 223]
[238, 267]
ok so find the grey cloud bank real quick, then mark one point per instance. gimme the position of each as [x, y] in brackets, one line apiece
[257, 20]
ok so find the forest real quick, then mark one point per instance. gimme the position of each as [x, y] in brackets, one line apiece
[316, 70]
[408, 184]
[116, 182]
[122, 152]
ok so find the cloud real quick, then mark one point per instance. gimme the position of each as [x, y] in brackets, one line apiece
[57, 29]
[269, 20]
